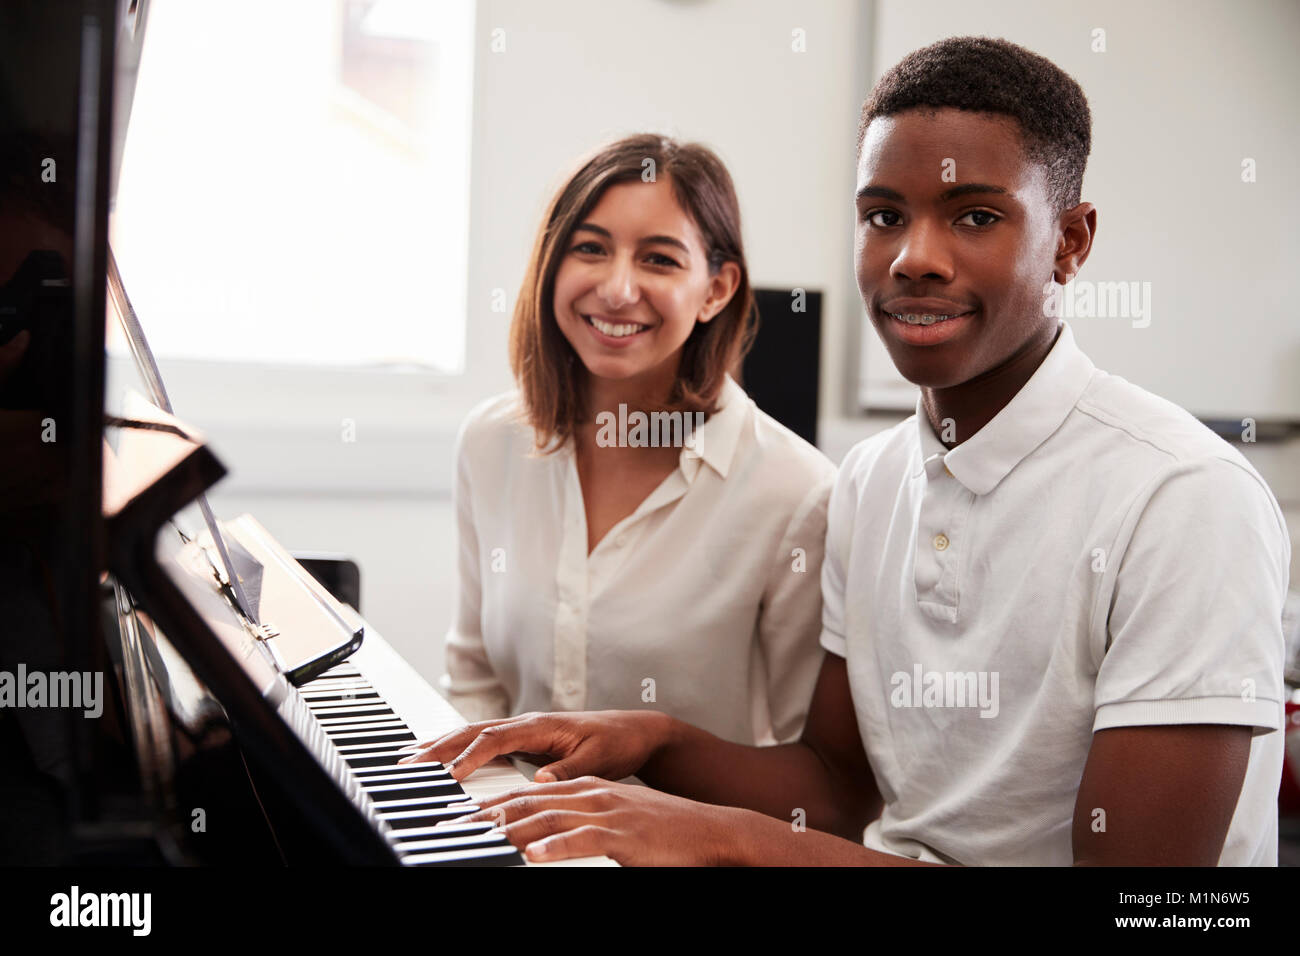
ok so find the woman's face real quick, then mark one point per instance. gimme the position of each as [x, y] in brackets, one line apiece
[633, 281]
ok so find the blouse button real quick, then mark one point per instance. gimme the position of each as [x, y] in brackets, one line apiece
[940, 542]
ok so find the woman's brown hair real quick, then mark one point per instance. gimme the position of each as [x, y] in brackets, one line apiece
[552, 379]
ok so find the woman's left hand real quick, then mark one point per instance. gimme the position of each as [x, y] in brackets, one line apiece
[634, 826]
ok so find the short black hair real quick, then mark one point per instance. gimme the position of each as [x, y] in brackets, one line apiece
[988, 75]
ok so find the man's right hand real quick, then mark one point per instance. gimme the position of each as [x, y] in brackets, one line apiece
[606, 743]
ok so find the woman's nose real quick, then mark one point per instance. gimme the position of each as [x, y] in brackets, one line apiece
[617, 288]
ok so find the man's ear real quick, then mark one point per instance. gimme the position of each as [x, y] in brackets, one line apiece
[1078, 228]
[722, 286]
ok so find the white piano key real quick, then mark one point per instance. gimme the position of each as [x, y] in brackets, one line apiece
[419, 859]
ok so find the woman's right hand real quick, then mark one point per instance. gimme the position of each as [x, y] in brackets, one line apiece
[603, 743]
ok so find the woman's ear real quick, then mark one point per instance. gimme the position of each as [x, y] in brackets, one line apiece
[722, 286]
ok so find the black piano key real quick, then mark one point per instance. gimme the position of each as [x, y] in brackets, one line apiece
[378, 776]
[367, 710]
[330, 696]
[358, 720]
[404, 819]
[387, 805]
[363, 749]
[384, 759]
[339, 735]
[416, 834]
[379, 726]
[419, 788]
[382, 737]
[451, 840]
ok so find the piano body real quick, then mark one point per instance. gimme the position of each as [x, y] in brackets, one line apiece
[206, 751]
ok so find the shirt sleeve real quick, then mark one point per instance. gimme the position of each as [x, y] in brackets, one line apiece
[839, 532]
[791, 616]
[1194, 631]
[469, 684]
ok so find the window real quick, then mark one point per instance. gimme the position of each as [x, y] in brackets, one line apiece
[294, 188]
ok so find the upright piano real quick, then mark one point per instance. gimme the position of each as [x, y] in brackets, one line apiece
[208, 750]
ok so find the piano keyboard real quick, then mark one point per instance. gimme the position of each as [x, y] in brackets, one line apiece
[367, 733]
[358, 715]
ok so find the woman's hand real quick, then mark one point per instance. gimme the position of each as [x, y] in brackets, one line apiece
[605, 743]
[634, 826]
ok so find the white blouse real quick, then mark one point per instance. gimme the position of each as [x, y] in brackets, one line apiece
[704, 603]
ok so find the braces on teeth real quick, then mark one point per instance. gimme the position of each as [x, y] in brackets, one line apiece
[920, 319]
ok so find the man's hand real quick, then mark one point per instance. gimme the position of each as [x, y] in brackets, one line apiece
[634, 826]
[639, 826]
[607, 743]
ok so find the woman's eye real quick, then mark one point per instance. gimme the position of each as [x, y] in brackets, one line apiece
[659, 259]
[592, 248]
[989, 217]
[873, 217]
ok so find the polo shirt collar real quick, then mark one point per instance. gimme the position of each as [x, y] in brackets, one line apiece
[1029, 419]
[720, 434]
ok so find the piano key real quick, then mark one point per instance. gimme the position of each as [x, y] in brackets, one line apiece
[365, 710]
[343, 741]
[358, 719]
[367, 775]
[449, 841]
[340, 731]
[357, 750]
[329, 696]
[331, 682]
[386, 759]
[401, 819]
[490, 856]
[413, 788]
[419, 803]
[444, 829]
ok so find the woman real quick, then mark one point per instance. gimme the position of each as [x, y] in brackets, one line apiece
[605, 564]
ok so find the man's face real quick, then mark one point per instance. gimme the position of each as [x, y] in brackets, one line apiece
[952, 221]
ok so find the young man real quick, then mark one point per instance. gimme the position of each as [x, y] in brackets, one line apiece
[1052, 600]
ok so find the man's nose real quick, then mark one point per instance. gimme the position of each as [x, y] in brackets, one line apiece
[924, 253]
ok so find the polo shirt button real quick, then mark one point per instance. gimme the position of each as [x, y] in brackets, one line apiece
[940, 542]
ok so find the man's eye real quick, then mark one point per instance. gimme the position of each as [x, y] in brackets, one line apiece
[989, 217]
[873, 217]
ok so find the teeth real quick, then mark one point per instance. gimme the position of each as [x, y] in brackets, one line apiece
[616, 330]
[912, 319]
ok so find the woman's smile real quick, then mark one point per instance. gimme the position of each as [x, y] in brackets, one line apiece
[614, 332]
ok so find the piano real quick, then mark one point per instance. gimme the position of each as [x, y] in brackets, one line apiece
[208, 750]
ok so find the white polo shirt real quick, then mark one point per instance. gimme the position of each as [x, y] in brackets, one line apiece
[1093, 557]
[704, 603]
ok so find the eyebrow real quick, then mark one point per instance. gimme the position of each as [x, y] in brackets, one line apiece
[666, 240]
[884, 192]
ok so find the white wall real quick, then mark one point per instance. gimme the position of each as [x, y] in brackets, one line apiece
[1183, 92]
[572, 75]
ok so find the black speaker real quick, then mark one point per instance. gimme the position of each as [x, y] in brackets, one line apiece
[782, 372]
